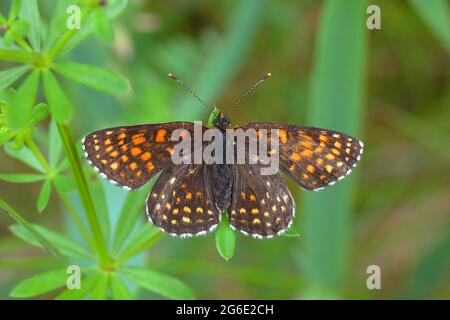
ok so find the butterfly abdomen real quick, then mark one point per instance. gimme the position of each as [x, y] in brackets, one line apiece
[222, 185]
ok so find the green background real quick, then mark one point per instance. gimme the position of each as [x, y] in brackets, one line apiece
[388, 87]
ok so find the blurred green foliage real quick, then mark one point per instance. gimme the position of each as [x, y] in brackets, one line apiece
[389, 87]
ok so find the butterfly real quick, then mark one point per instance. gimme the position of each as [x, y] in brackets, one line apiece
[188, 199]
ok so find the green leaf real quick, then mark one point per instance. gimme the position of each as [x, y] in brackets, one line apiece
[64, 183]
[21, 28]
[9, 76]
[25, 155]
[39, 284]
[77, 294]
[102, 26]
[112, 10]
[336, 101]
[58, 23]
[39, 113]
[160, 283]
[131, 211]
[21, 177]
[100, 288]
[60, 106]
[38, 237]
[101, 206]
[44, 196]
[54, 145]
[30, 12]
[14, 11]
[225, 239]
[23, 102]
[119, 289]
[65, 245]
[146, 236]
[436, 14]
[94, 77]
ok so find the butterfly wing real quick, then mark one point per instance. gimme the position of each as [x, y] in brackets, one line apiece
[315, 158]
[180, 204]
[261, 204]
[129, 156]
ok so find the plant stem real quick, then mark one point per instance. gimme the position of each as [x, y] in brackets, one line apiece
[38, 154]
[85, 195]
[24, 223]
[19, 56]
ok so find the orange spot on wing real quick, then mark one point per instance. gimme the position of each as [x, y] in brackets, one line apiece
[135, 151]
[114, 154]
[283, 135]
[311, 168]
[252, 198]
[307, 153]
[324, 138]
[107, 142]
[150, 166]
[336, 151]
[133, 166]
[138, 140]
[295, 156]
[161, 135]
[124, 158]
[307, 144]
[121, 136]
[146, 156]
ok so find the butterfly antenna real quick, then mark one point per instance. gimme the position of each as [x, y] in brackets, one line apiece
[253, 87]
[184, 85]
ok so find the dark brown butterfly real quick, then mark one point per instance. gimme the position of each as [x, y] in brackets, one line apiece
[187, 199]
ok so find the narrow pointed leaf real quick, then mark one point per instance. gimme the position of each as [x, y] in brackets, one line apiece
[119, 289]
[21, 177]
[160, 283]
[44, 196]
[30, 12]
[23, 102]
[78, 294]
[41, 283]
[9, 76]
[132, 209]
[100, 288]
[54, 145]
[65, 245]
[60, 106]
[145, 237]
[24, 155]
[94, 77]
[39, 238]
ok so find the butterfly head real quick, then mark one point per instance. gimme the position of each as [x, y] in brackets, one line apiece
[220, 122]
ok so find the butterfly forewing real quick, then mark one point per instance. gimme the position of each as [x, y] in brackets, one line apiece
[179, 203]
[315, 158]
[262, 205]
[129, 156]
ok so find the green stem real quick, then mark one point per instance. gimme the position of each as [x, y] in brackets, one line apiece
[38, 154]
[24, 223]
[20, 56]
[86, 199]
[145, 245]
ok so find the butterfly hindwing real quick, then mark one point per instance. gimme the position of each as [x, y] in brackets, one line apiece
[261, 204]
[315, 158]
[129, 156]
[179, 203]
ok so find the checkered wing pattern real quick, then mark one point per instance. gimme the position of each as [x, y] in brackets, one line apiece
[315, 158]
[180, 203]
[129, 156]
[261, 204]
